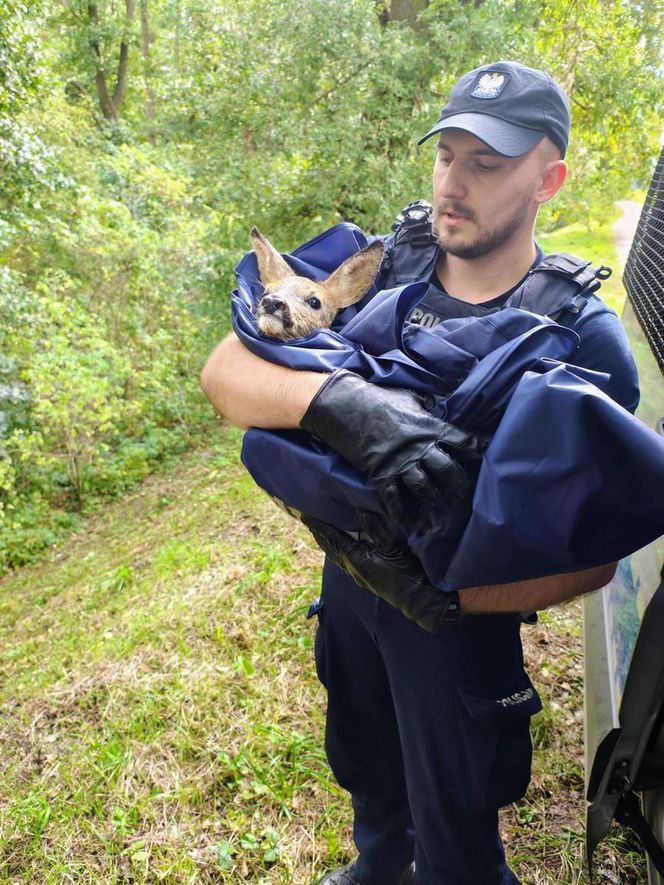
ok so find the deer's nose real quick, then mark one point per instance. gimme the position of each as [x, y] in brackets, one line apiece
[272, 304]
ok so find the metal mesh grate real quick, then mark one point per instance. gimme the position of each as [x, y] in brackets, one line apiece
[644, 271]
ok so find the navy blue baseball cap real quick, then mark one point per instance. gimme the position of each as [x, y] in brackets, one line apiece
[509, 106]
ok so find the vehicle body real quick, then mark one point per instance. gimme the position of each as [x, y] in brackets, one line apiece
[624, 622]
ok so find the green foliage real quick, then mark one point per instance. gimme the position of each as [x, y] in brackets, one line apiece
[303, 119]
[120, 226]
[20, 72]
[607, 56]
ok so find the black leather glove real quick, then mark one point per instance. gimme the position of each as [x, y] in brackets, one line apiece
[390, 571]
[424, 468]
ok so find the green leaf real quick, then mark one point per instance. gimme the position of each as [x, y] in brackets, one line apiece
[249, 842]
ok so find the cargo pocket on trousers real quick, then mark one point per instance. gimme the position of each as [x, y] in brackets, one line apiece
[316, 609]
[498, 748]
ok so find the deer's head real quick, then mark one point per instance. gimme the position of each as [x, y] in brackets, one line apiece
[294, 306]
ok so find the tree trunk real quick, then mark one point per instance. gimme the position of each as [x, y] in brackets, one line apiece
[105, 102]
[110, 104]
[123, 62]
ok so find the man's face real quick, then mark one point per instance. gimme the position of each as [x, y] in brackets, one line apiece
[481, 199]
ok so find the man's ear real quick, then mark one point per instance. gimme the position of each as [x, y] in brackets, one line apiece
[352, 279]
[271, 265]
[553, 178]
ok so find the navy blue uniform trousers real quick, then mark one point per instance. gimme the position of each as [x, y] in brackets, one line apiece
[428, 733]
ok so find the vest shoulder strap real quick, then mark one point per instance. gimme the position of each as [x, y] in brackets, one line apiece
[412, 250]
[560, 282]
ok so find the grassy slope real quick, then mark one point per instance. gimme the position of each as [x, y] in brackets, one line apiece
[161, 720]
[155, 719]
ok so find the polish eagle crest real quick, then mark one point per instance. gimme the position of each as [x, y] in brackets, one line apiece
[490, 85]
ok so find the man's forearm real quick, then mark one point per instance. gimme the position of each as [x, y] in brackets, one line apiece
[536, 594]
[251, 392]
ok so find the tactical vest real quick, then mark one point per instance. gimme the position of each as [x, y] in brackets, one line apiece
[560, 283]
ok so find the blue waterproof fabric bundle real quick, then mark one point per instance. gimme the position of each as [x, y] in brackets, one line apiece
[570, 479]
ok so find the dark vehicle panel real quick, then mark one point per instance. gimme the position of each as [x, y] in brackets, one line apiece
[624, 622]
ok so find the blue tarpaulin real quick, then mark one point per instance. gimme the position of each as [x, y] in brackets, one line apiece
[570, 479]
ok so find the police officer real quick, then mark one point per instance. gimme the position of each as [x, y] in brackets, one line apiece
[429, 732]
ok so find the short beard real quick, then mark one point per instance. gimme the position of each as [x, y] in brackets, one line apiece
[487, 241]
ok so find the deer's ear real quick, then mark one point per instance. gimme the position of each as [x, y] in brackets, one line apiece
[352, 279]
[271, 265]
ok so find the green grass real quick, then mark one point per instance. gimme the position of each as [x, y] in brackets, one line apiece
[161, 719]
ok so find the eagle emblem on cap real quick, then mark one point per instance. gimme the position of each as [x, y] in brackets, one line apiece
[489, 85]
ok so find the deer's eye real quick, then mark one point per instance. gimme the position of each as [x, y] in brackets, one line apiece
[314, 303]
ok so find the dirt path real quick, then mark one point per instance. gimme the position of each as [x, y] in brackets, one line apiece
[625, 228]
